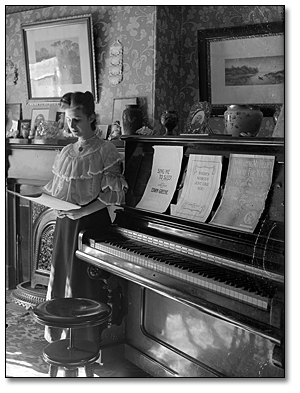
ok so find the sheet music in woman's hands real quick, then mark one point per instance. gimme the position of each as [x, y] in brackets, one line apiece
[201, 186]
[49, 201]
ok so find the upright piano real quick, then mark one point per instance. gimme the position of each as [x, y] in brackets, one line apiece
[200, 300]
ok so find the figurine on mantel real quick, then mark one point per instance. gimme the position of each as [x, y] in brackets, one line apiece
[146, 131]
[25, 128]
[169, 120]
[47, 129]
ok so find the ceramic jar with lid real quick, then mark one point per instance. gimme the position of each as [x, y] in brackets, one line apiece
[242, 120]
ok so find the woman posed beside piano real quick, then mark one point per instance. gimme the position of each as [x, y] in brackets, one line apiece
[87, 173]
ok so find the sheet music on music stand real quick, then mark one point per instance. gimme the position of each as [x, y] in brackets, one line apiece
[201, 186]
[163, 179]
[248, 182]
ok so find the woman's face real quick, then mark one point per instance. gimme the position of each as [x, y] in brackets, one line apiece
[79, 123]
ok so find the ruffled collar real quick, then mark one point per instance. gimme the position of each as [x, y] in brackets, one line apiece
[89, 146]
[81, 144]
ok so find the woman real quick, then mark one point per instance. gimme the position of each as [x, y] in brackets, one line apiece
[87, 173]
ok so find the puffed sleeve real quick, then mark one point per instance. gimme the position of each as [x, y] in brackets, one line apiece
[113, 184]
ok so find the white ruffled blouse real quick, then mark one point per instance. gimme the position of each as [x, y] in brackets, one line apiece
[95, 172]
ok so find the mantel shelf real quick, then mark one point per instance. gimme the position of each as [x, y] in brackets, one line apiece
[206, 139]
[55, 145]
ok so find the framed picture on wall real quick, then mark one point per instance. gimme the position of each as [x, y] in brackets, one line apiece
[242, 65]
[59, 58]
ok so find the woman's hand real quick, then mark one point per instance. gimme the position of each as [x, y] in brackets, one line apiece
[74, 214]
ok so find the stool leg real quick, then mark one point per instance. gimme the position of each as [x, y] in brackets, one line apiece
[53, 371]
[71, 372]
[89, 370]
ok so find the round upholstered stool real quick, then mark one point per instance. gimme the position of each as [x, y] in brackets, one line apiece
[72, 313]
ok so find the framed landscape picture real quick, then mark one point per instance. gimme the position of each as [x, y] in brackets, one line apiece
[59, 58]
[242, 65]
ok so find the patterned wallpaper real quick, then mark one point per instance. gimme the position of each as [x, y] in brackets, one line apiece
[11, 9]
[160, 53]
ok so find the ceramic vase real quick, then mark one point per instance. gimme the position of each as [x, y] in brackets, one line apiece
[242, 120]
[132, 119]
[169, 121]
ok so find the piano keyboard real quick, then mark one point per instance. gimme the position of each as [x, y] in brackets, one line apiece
[231, 284]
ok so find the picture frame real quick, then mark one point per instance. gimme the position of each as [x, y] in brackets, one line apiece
[102, 130]
[12, 118]
[119, 104]
[60, 118]
[59, 58]
[37, 115]
[242, 65]
[198, 118]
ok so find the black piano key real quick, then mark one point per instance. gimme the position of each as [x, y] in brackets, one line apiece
[199, 269]
[183, 265]
[187, 267]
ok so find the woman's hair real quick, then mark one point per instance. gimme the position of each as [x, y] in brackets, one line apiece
[80, 100]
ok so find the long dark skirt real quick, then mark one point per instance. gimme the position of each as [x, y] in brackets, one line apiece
[68, 276]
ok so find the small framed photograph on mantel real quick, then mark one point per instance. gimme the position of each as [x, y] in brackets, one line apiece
[197, 121]
[12, 118]
[38, 115]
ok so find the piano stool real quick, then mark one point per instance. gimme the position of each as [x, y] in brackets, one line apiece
[72, 313]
